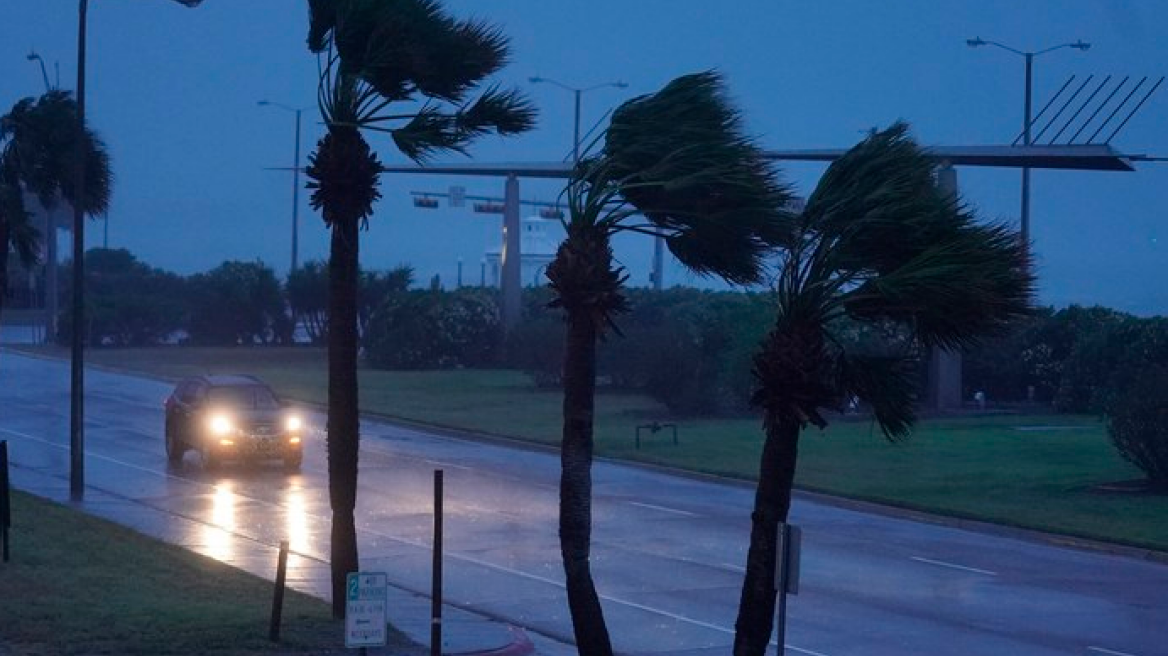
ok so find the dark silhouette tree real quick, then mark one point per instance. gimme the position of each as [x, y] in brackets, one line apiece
[878, 242]
[676, 162]
[377, 55]
[38, 138]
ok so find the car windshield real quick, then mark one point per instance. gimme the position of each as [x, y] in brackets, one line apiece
[244, 397]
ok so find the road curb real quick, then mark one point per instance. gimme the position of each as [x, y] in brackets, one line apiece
[520, 645]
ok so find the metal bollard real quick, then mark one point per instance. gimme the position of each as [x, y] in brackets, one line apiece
[5, 500]
[278, 594]
[436, 591]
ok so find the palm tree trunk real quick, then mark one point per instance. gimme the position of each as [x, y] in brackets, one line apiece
[772, 501]
[576, 485]
[343, 420]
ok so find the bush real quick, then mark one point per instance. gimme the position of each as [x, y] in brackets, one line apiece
[1137, 423]
[690, 349]
[308, 295]
[237, 303]
[127, 303]
[1105, 359]
[427, 329]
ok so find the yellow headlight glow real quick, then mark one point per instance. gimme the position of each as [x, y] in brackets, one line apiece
[221, 425]
[293, 424]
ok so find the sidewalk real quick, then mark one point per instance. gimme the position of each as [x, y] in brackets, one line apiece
[464, 633]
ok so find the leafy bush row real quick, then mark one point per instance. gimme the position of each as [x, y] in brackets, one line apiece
[129, 303]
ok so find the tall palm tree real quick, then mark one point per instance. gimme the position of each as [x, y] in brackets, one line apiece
[674, 161]
[375, 55]
[878, 243]
[38, 137]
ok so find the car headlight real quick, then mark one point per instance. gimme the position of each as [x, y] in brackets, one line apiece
[293, 424]
[221, 425]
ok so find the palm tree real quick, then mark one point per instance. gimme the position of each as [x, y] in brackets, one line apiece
[39, 137]
[678, 159]
[878, 243]
[376, 54]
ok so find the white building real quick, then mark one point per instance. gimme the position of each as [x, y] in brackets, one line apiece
[537, 249]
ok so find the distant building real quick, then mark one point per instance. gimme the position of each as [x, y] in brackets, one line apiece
[537, 249]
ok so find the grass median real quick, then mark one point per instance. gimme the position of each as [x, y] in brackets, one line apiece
[77, 584]
[1033, 471]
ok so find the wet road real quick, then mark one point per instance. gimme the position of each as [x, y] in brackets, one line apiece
[667, 550]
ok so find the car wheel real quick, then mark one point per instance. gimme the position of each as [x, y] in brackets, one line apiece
[174, 448]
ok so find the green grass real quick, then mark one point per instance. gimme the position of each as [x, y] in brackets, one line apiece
[81, 585]
[977, 467]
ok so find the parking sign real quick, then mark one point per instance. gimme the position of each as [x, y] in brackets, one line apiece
[365, 609]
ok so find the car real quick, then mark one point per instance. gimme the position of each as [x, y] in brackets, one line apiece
[231, 417]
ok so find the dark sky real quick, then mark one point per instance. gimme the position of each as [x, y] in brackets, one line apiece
[173, 91]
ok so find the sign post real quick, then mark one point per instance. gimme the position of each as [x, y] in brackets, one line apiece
[787, 554]
[366, 598]
[457, 196]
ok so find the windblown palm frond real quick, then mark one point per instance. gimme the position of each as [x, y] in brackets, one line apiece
[880, 241]
[383, 52]
[887, 383]
[41, 136]
[432, 130]
[680, 157]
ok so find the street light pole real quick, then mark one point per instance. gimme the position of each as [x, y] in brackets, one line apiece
[77, 377]
[576, 130]
[1024, 231]
[77, 372]
[295, 181]
[577, 91]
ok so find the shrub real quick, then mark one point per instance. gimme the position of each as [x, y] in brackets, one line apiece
[1105, 359]
[237, 303]
[428, 329]
[1137, 422]
[127, 303]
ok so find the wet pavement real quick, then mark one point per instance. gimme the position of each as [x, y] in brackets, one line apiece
[667, 551]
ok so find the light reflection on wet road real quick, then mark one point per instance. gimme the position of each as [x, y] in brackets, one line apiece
[667, 555]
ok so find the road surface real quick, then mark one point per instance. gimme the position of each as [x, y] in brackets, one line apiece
[667, 554]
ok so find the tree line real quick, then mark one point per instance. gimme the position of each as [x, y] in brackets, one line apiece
[130, 303]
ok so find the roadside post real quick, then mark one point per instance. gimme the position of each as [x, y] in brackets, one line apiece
[366, 598]
[5, 502]
[278, 594]
[436, 589]
[787, 556]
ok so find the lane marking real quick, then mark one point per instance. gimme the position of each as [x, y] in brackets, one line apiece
[675, 511]
[445, 465]
[413, 543]
[963, 568]
[1101, 650]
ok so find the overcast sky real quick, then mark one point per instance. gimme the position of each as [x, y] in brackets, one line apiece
[173, 92]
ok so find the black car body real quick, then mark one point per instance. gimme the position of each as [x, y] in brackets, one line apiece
[232, 417]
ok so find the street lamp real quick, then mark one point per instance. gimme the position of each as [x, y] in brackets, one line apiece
[33, 56]
[1029, 57]
[535, 79]
[295, 179]
[77, 378]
